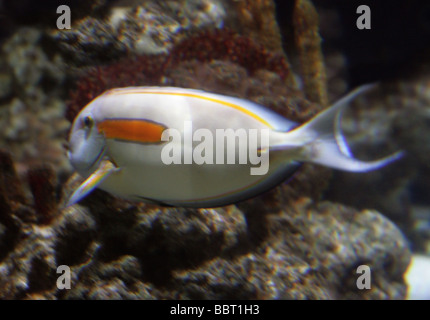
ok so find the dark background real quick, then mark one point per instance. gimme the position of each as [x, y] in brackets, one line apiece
[397, 44]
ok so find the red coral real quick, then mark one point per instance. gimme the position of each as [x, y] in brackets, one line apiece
[42, 181]
[226, 45]
[144, 70]
[43, 184]
[9, 181]
[149, 70]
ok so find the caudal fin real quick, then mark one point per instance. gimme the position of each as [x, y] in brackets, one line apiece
[324, 143]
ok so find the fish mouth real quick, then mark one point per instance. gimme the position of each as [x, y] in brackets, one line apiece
[98, 158]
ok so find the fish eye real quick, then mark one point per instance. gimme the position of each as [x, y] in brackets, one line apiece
[88, 121]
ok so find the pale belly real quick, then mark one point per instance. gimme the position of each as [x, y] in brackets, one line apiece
[189, 184]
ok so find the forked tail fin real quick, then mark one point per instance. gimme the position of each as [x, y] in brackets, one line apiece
[323, 142]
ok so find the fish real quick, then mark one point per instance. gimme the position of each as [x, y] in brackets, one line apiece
[182, 147]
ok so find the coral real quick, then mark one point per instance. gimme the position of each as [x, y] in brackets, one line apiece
[151, 70]
[32, 109]
[263, 87]
[13, 208]
[255, 19]
[9, 182]
[132, 72]
[228, 45]
[336, 62]
[136, 28]
[43, 183]
[306, 34]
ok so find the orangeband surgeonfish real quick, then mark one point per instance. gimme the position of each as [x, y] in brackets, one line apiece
[184, 147]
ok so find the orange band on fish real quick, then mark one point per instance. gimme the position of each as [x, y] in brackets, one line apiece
[143, 131]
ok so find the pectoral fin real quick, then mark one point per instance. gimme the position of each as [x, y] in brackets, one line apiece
[105, 169]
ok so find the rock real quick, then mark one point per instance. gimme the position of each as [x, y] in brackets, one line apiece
[304, 260]
[35, 74]
[6, 82]
[117, 279]
[140, 27]
[30, 267]
[32, 118]
[118, 250]
[255, 19]
[263, 86]
[75, 231]
[394, 117]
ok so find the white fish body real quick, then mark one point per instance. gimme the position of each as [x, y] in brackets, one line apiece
[117, 143]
